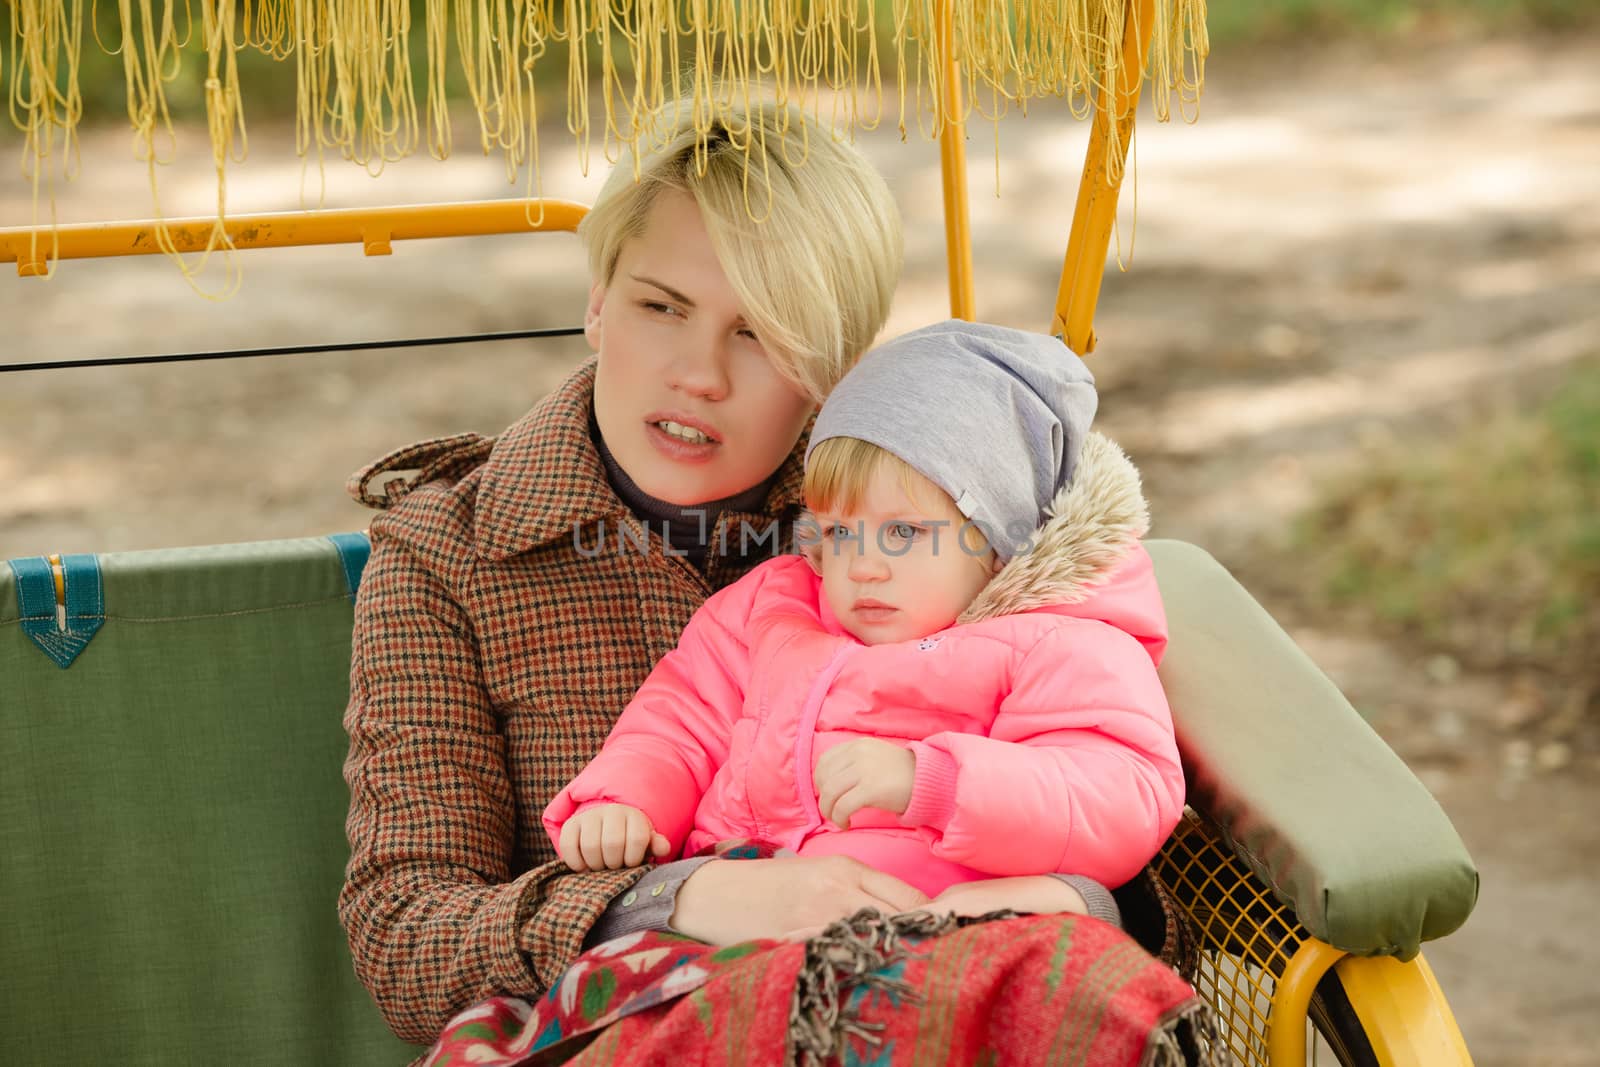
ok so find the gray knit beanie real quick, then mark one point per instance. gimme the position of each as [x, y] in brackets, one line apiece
[995, 417]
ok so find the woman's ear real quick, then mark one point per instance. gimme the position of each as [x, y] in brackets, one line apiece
[591, 314]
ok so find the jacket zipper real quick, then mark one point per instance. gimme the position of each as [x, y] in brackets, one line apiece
[805, 734]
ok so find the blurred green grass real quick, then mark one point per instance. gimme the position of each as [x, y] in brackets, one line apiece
[1484, 544]
[1231, 23]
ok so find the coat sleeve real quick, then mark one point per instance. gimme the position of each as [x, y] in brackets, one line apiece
[668, 743]
[434, 919]
[1078, 775]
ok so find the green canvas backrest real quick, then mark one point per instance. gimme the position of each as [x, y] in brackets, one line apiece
[172, 811]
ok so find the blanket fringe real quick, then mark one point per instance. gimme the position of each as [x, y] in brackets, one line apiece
[1187, 1037]
[850, 955]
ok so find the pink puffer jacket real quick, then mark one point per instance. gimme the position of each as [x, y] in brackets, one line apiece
[1042, 736]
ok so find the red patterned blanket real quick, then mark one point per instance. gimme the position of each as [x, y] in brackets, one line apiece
[871, 991]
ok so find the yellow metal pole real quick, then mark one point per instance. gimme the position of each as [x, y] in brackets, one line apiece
[1096, 210]
[953, 172]
[1403, 1012]
[1291, 1000]
[372, 228]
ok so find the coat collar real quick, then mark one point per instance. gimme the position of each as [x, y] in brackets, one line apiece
[544, 479]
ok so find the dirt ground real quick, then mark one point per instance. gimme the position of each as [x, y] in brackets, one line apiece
[1353, 248]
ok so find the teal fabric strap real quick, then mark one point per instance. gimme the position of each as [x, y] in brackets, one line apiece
[61, 636]
[353, 551]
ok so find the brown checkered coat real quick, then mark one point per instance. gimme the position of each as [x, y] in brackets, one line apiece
[490, 661]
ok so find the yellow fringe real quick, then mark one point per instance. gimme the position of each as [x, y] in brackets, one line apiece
[355, 97]
[46, 38]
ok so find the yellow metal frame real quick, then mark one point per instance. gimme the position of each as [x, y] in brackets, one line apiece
[1096, 210]
[953, 175]
[1094, 215]
[372, 228]
[1291, 1001]
[32, 249]
[1258, 967]
[1404, 1012]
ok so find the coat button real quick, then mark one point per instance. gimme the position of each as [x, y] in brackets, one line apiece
[630, 898]
[656, 892]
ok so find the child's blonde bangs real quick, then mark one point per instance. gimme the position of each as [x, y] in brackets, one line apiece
[840, 469]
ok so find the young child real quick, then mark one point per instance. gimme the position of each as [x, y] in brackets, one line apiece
[956, 681]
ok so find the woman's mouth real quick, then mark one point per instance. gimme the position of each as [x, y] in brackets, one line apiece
[681, 439]
[683, 432]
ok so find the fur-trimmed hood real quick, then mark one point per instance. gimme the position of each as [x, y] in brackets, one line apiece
[1088, 542]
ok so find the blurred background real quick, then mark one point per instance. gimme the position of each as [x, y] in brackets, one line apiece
[1355, 352]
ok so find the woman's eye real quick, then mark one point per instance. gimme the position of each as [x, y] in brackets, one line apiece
[657, 307]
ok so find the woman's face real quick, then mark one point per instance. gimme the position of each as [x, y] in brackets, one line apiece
[686, 398]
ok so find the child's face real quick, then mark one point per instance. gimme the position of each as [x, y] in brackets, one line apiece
[896, 568]
[686, 398]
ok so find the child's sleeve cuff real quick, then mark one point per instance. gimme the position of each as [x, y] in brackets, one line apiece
[933, 788]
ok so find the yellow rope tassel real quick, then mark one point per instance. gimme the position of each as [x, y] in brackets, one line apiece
[45, 37]
[356, 97]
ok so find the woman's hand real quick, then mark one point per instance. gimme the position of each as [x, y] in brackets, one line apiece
[608, 836]
[1039, 894]
[728, 901]
[864, 773]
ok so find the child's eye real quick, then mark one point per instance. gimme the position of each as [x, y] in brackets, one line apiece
[835, 532]
[904, 531]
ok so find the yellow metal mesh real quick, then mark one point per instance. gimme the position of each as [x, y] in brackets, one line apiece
[1246, 936]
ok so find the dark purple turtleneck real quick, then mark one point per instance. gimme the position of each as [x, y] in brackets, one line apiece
[688, 528]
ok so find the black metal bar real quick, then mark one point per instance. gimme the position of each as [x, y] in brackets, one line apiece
[293, 350]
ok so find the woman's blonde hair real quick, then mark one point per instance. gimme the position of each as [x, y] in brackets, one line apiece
[804, 228]
[839, 470]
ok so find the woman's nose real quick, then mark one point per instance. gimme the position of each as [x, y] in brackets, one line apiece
[700, 369]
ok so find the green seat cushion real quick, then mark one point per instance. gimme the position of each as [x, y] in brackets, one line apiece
[172, 819]
[1308, 794]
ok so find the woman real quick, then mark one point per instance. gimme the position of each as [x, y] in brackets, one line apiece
[520, 589]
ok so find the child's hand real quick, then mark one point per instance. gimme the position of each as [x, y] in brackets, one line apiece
[864, 773]
[609, 836]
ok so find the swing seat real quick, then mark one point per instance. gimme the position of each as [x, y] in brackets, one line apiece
[173, 817]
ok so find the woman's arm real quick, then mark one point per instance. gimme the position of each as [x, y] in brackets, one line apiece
[1079, 774]
[434, 921]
